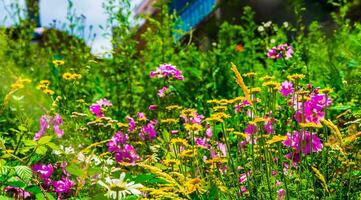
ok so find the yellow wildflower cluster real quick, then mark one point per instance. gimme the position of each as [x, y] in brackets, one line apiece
[194, 185]
[325, 90]
[276, 138]
[255, 90]
[58, 62]
[220, 108]
[267, 78]
[193, 127]
[296, 77]
[218, 117]
[310, 125]
[71, 76]
[240, 81]
[169, 121]
[20, 83]
[44, 87]
[188, 153]
[179, 141]
[171, 162]
[173, 107]
[250, 74]
[272, 84]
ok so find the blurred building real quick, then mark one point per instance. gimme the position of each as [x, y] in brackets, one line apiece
[204, 17]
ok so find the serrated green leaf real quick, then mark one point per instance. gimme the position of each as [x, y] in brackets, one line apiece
[29, 143]
[18, 184]
[45, 139]
[53, 146]
[74, 169]
[33, 189]
[24, 172]
[41, 150]
[22, 128]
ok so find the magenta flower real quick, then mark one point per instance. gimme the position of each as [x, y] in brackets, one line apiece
[148, 131]
[57, 121]
[152, 107]
[239, 106]
[167, 71]
[243, 189]
[131, 123]
[141, 116]
[118, 138]
[127, 154]
[45, 171]
[17, 193]
[45, 121]
[282, 50]
[251, 129]
[286, 88]
[96, 108]
[63, 186]
[162, 91]
[243, 177]
[209, 131]
[300, 141]
[281, 194]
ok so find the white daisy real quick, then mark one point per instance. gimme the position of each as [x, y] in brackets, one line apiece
[119, 189]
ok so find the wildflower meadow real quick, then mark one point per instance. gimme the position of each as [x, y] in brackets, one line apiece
[269, 111]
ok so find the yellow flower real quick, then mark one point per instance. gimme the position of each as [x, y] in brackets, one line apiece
[48, 91]
[213, 101]
[193, 185]
[16, 86]
[179, 141]
[310, 125]
[296, 77]
[169, 121]
[325, 90]
[67, 76]
[187, 112]
[277, 138]
[76, 76]
[193, 127]
[42, 87]
[188, 153]
[250, 74]
[255, 90]
[271, 84]
[220, 108]
[45, 82]
[171, 162]
[58, 62]
[267, 78]
[238, 99]
[173, 107]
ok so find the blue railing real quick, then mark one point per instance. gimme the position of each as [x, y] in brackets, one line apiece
[190, 14]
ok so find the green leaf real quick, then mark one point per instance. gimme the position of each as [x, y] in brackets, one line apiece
[5, 198]
[29, 143]
[166, 136]
[40, 196]
[94, 170]
[45, 139]
[74, 169]
[53, 146]
[41, 150]
[33, 189]
[143, 178]
[21, 128]
[24, 172]
[18, 184]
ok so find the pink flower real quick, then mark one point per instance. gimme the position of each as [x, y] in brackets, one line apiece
[286, 88]
[45, 171]
[45, 120]
[141, 116]
[152, 107]
[17, 193]
[300, 141]
[239, 106]
[96, 108]
[209, 131]
[167, 71]
[131, 123]
[63, 186]
[243, 189]
[118, 138]
[243, 177]
[57, 121]
[162, 91]
[148, 131]
[282, 50]
[127, 154]
[281, 194]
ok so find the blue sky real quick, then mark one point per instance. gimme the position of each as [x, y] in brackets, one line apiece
[57, 9]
